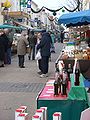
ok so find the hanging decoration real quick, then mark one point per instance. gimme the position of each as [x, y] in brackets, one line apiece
[37, 10]
[54, 11]
[63, 10]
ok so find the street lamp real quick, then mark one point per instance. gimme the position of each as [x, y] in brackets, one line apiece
[5, 10]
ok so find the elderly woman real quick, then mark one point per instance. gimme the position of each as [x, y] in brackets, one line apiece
[22, 48]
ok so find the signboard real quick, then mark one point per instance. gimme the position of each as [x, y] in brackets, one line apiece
[28, 5]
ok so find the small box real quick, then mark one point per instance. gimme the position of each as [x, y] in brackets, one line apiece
[40, 112]
[17, 112]
[45, 112]
[36, 117]
[57, 116]
[23, 116]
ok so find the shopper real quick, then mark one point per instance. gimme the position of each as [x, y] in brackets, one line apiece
[2, 49]
[5, 42]
[22, 48]
[39, 36]
[62, 36]
[9, 33]
[45, 45]
[32, 42]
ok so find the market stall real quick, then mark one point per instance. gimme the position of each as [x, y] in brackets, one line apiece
[70, 105]
[78, 23]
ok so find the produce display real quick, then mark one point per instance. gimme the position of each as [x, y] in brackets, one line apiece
[72, 51]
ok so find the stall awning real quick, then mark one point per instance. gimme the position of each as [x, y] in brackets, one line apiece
[17, 14]
[10, 26]
[75, 19]
[23, 25]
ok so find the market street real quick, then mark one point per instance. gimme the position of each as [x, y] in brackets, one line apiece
[21, 86]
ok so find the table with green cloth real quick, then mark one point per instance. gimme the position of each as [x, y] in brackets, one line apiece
[70, 106]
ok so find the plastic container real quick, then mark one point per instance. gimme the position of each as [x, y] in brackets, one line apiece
[36, 117]
[45, 112]
[40, 112]
[57, 116]
[17, 112]
[23, 116]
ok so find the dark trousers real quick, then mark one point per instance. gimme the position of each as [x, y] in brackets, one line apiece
[21, 60]
[39, 64]
[44, 64]
[9, 56]
[32, 51]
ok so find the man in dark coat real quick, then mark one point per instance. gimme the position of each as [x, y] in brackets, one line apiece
[44, 46]
[3, 47]
[32, 42]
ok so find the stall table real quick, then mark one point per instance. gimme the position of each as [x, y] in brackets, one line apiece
[70, 106]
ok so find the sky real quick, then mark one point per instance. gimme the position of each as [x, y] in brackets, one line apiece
[51, 4]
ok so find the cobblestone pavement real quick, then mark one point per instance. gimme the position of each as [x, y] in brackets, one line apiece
[21, 86]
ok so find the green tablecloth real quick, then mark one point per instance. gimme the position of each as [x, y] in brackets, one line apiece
[70, 108]
[77, 92]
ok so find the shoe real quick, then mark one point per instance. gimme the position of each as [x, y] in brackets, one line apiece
[22, 66]
[2, 65]
[39, 72]
[43, 75]
[29, 57]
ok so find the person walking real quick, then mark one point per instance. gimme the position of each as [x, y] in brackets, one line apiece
[32, 42]
[44, 46]
[10, 37]
[62, 36]
[4, 47]
[39, 36]
[22, 48]
[53, 41]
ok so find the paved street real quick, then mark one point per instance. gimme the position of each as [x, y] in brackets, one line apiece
[21, 86]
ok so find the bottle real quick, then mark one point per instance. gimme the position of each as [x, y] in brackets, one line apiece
[56, 90]
[69, 71]
[64, 84]
[59, 83]
[77, 75]
[64, 88]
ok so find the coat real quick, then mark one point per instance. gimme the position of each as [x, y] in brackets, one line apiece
[3, 46]
[22, 45]
[32, 40]
[45, 44]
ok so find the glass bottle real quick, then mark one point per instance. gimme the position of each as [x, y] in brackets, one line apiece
[56, 91]
[77, 75]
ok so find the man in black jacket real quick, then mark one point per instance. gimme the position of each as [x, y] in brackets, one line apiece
[44, 46]
[32, 42]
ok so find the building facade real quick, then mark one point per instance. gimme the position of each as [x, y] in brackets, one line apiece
[37, 20]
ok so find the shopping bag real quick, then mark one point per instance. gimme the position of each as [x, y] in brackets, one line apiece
[38, 55]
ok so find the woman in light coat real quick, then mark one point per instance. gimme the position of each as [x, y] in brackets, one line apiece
[22, 48]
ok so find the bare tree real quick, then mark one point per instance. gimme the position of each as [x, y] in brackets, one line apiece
[72, 4]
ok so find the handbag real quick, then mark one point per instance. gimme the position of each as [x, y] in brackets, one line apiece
[38, 55]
